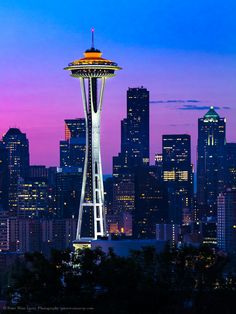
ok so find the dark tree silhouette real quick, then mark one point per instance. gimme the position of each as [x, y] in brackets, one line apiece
[179, 280]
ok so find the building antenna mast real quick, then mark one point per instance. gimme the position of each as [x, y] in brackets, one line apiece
[92, 37]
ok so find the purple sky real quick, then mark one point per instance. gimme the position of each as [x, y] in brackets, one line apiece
[178, 53]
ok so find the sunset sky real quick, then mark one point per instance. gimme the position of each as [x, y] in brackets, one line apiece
[183, 52]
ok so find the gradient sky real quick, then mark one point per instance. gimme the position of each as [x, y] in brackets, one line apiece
[179, 50]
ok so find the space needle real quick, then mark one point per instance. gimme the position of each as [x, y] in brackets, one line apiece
[92, 70]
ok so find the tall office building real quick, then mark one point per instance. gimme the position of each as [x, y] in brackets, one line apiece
[134, 132]
[210, 161]
[69, 176]
[135, 128]
[150, 203]
[32, 197]
[75, 128]
[134, 152]
[91, 70]
[123, 201]
[3, 178]
[68, 192]
[226, 221]
[123, 194]
[72, 149]
[230, 178]
[17, 147]
[177, 174]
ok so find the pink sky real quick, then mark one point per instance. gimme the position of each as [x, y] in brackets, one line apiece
[39, 103]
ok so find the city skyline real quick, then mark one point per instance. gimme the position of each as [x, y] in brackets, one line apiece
[191, 69]
[117, 195]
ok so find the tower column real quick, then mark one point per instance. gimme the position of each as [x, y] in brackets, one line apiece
[92, 194]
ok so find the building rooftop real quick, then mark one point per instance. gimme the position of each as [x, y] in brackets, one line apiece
[211, 114]
[13, 131]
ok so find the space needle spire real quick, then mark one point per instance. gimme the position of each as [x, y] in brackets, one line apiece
[92, 33]
[90, 70]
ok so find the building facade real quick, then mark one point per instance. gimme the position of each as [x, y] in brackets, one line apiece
[68, 192]
[33, 197]
[17, 148]
[230, 177]
[177, 174]
[134, 154]
[3, 178]
[210, 161]
[72, 149]
[226, 221]
[151, 205]
[135, 128]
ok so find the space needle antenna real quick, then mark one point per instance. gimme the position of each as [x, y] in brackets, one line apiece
[92, 31]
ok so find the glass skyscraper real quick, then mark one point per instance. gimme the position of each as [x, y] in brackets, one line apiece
[3, 178]
[72, 149]
[230, 180]
[226, 221]
[17, 148]
[134, 151]
[150, 203]
[135, 128]
[211, 161]
[75, 128]
[177, 174]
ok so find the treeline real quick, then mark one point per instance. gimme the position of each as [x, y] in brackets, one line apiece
[184, 280]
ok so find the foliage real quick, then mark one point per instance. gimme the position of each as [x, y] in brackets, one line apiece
[184, 280]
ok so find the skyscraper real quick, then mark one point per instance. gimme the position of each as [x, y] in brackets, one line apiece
[3, 178]
[226, 221]
[150, 203]
[68, 192]
[69, 177]
[72, 149]
[17, 147]
[230, 178]
[75, 128]
[135, 129]
[210, 161]
[134, 132]
[91, 69]
[123, 200]
[32, 197]
[177, 174]
[134, 151]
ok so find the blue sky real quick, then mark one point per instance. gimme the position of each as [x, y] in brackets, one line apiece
[179, 50]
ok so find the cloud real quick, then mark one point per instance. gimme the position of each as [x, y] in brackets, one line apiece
[188, 104]
[180, 125]
[193, 100]
[196, 107]
[174, 101]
